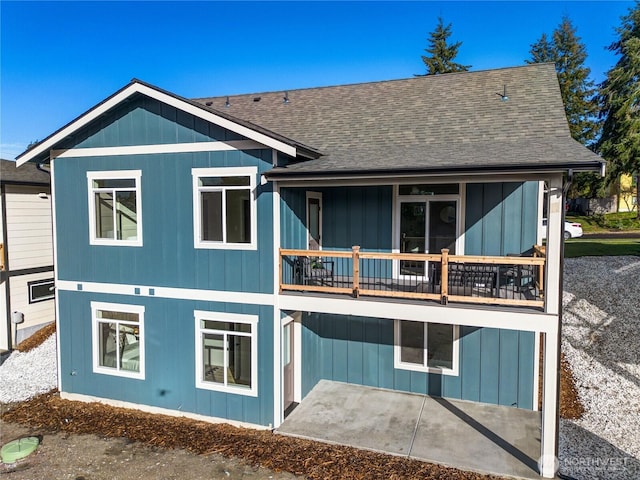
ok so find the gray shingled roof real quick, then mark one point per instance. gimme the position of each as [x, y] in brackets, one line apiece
[27, 174]
[433, 123]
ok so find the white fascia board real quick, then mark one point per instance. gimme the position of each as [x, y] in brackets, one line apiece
[79, 123]
[193, 147]
[453, 315]
[164, 98]
[365, 180]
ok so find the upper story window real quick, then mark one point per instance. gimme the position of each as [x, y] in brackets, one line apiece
[224, 208]
[430, 189]
[118, 339]
[115, 214]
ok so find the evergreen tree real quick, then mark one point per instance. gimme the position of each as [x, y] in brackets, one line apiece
[578, 91]
[542, 51]
[442, 54]
[619, 101]
[569, 54]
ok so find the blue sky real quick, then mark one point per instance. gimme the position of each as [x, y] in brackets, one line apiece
[59, 59]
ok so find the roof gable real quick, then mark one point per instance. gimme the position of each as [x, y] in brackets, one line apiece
[136, 88]
[141, 120]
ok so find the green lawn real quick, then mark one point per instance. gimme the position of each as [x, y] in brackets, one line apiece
[581, 247]
[610, 222]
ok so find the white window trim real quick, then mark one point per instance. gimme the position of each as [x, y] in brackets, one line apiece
[37, 283]
[196, 174]
[95, 335]
[252, 320]
[398, 364]
[108, 175]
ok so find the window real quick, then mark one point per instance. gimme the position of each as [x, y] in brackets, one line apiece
[114, 208]
[224, 208]
[118, 339]
[430, 189]
[41, 290]
[426, 347]
[226, 352]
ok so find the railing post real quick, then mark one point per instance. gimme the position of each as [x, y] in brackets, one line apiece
[355, 258]
[444, 276]
[537, 252]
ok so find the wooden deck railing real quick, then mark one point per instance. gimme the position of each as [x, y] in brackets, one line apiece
[508, 280]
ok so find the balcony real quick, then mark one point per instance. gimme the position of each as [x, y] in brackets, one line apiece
[444, 278]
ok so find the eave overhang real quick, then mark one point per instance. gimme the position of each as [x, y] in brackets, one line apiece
[281, 174]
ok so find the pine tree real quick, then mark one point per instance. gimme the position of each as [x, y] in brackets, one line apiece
[619, 101]
[442, 54]
[569, 54]
[542, 51]
[578, 90]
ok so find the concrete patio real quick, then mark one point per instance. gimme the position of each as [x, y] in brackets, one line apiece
[467, 435]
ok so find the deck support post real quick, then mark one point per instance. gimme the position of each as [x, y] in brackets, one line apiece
[549, 440]
[553, 306]
[355, 257]
[280, 272]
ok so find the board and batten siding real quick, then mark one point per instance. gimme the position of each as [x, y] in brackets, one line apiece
[145, 121]
[496, 366]
[350, 216]
[29, 227]
[167, 256]
[501, 218]
[169, 340]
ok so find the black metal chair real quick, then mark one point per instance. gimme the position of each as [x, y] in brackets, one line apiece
[314, 271]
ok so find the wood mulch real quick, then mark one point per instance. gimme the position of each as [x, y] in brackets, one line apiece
[307, 458]
[571, 407]
[37, 338]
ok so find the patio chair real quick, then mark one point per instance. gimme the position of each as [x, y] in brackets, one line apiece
[314, 271]
[520, 276]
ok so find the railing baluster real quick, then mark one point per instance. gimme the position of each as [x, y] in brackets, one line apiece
[516, 281]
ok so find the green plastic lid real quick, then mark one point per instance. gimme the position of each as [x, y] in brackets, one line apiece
[17, 449]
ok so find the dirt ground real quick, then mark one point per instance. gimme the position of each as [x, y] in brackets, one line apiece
[89, 457]
[91, 441]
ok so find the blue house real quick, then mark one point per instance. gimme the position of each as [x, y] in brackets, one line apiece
[218, 257]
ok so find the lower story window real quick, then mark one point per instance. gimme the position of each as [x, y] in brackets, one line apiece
[41, 290]
[226, 352]
[428, 347]
[118, 339]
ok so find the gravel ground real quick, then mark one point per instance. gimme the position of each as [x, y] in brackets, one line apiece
[601, 342]
[25, 375]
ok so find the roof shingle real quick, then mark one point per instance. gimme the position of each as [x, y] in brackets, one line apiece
[454, 120]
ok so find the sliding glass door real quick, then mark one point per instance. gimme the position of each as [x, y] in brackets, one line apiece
[427, 225]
